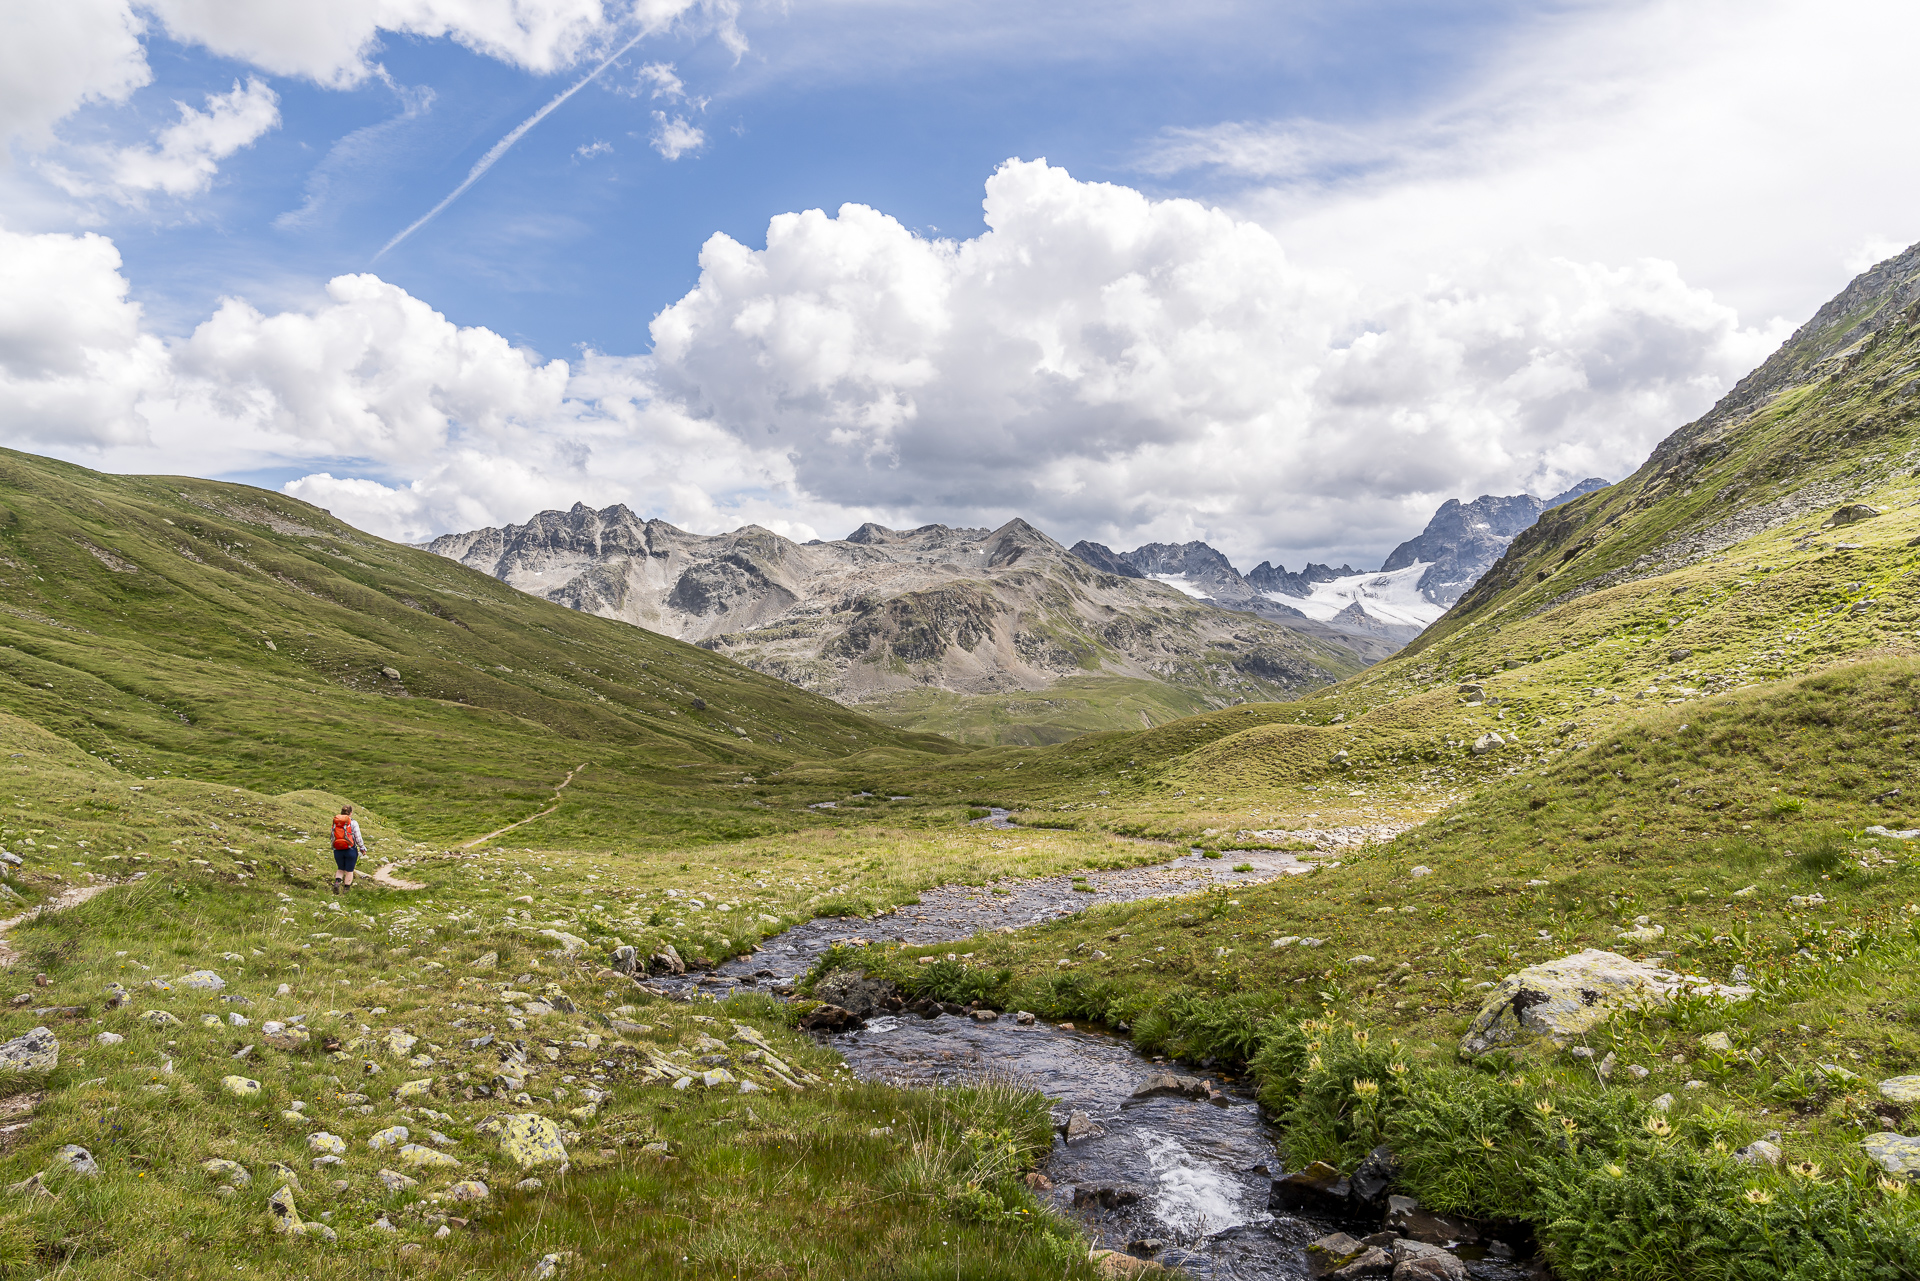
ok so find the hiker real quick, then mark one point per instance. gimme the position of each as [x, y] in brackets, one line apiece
[347, 848]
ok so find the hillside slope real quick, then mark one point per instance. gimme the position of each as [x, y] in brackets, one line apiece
[175, 626]
[884, 618]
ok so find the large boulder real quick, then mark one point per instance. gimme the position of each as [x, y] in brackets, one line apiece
[35, 1051]
[1318, 1190]
[526, 1138]
[855, 993]
[1417, 1261]
[831, 1018]
[1562, 999]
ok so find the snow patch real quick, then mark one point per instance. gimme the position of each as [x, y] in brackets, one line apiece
[1180, 581]
[1391, 597]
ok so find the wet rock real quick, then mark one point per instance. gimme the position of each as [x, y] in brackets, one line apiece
[1561, 999]
[1080, 1126]
[666, 961]
[986, 1016]
[1338, 1257]
[831, 1018]
[1112, 1263]
[1418, 1261]
[1375, 1174]
[1023, 1017]
[1107, 1196]
[1168, 1085]
[1894, 1153]
[1405, 1217]
[1319, 1189]
[856, 993]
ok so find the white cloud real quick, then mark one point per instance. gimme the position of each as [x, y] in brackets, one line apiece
[673, 136]
[57, 57]
[74, 361]
[184, 157]
[588, 150]
[1105, 363]
[658, 80]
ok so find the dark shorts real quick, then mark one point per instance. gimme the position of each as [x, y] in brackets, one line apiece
[345, 859]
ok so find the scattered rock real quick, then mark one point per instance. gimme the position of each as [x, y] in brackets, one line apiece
[281, 1210]
[1759, 1152]
[1719, 1043]
[528, 1185]
[1167, 1085]
[469, 1190]
[625, 960]
[986, 1016]
[569, 943]
[1123, 1267]
[1405, 1216]
[1851, 513]
[158, 1018]
[1342, 1258]
[326, 1144]
[1419, 871]
[394, 1181]
[1662, 1104]
[666, 961]
[1679, 656]
[1487, 742]
[391, 1137]
[202, 981]
[397, 1043]
[1319, 1189]
[1080, 1126]
[232, 1171]
[553, 1265]
[1894, 1153]
[1023, 1017]
[1564, 998]
[414, 1089]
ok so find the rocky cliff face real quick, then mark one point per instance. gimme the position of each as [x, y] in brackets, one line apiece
[883, 610]
[1463, 540]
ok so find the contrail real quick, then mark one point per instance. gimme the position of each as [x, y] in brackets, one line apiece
[501, 147]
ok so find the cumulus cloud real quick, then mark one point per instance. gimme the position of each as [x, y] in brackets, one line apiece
[185, 156]
[57, 57]
[1103, 362]
[674, 136]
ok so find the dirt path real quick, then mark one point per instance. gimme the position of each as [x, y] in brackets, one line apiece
[58, 903]
[523, 822]
[383, 875]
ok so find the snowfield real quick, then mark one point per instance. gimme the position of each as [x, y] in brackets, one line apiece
[1390, 597]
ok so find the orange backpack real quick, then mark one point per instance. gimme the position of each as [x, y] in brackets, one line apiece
[342, 832]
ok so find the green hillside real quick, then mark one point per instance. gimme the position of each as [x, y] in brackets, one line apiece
[177, 627]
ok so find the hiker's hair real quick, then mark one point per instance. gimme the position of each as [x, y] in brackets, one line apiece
[346, 809]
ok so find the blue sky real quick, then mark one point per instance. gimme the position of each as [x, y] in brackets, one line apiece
[1293, 273]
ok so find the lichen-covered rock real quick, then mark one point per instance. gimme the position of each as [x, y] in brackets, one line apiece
[625, 960]
[414, 1089]
[35, 1051]
[1894, 1153]
[244, 1087]
[391, 1137]
[552, 1265]
[528, 1139]
[469, 1190]
[232, 1171]
[330, 1144]
[1561, 999]
[77, 1159]
[1901, 1089]
[284, 1215]
[425, 1158]
[285, 1036]
[394, 1181]
[569, 943]
[202, 981]
[399, 1044]
[158, 1018]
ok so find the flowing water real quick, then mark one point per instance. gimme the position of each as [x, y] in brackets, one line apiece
[1180, 1180]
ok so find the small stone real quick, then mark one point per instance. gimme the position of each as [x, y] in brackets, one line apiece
[414, 1089]
[232, 1171]
[1024, 1018]
[158, 1018]
[322, 1162]
[1419, 870]
[534, 1185]
[1419, 1261]
[391, 1137]
[441, 1233]
[285, 1036]
[281, 1210]
[109, 1038]
[486, 962]
[394, 1181]
[77, 1159]
[399, 1044]
[1759, 1152]
[1694, 1085]
[986, 1016]
[383, 1224]
[1717, 1043]
[1637, 1072]
[330, 1144]
[243, 1087]
[553, 1265]
[202, 981]
[469, 1190]
[1080, 1126]
[1662, 1104]
[1605, 1066]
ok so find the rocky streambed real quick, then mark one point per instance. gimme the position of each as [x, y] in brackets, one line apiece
[1156, 1162]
